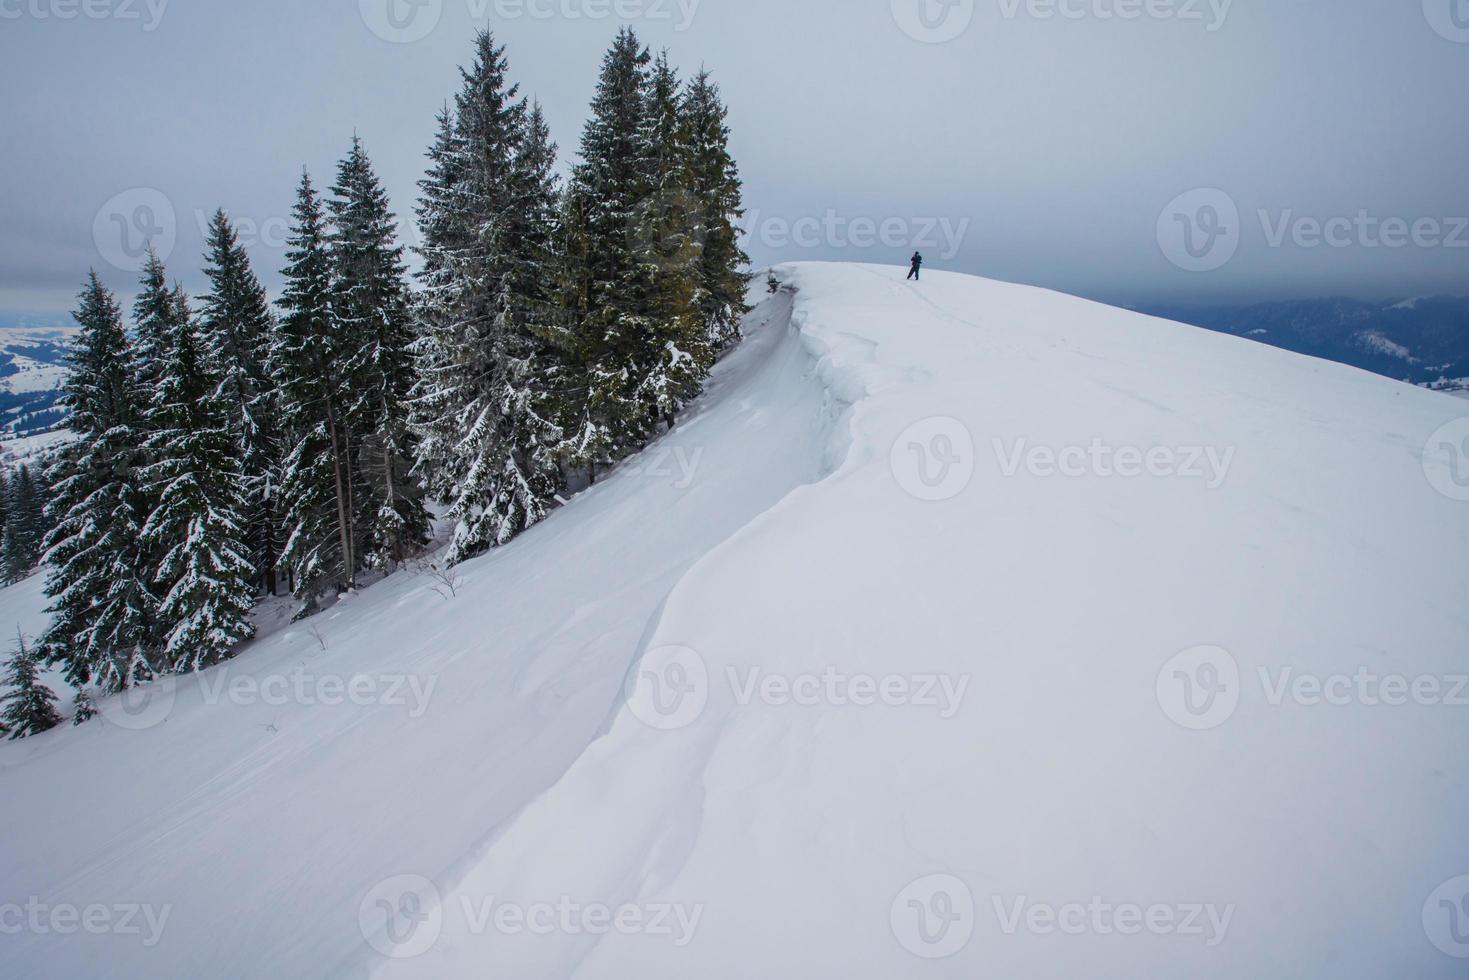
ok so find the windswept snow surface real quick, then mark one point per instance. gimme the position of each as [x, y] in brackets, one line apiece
[919, 684]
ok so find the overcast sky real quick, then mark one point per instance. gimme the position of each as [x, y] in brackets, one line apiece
[1136, 151]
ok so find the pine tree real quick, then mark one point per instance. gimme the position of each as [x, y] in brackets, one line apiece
[30, 707]
[668, 242]
[370, 308]
[83, 708]
[11, 554]
[198, 527]
[28, 504]
[5, 494]
[604, 418]
[632, 244]
[584, 442]
[155, 315]
[308, 366]
[488, 219]
[440, 224]
[237, 332]
[104, 612]
[33, 507]
[716, 187]
[535, 274]
[24, 526]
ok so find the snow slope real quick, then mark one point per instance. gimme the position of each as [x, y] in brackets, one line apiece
[36, 358]
[902, 699]
[23, 608]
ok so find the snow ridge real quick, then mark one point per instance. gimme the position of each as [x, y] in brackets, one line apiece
[1045, 607]
[643, 857]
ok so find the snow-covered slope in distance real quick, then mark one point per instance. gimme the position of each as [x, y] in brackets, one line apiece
[34, 358]
[919, 685]
[32, 370]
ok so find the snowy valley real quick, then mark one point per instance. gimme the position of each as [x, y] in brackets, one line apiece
[960, 629]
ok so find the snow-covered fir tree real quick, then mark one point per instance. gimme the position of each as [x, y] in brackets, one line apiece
[717, 192]
[204, 576]
[309, 367]
[668, 241]
[156, 313]
[552, 331]
[30, 706]
[12, 556]
[632, 241]
[370, 308]
[83, 708]
[439, 223]
[25, 524]
[487, 216]
[237, 330]
[11, 553]
[609, 187]
[104, 611]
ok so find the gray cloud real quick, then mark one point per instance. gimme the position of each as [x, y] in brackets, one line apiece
[1035, 140]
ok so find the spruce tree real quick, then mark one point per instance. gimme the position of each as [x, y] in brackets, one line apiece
[237, 332]
[487, 218]
[609, 187]
[668, 243]
[715, 184]
[155, 314]
[27, 496]
[24, 526]
[204, 575]
[10, 552]
[30, 706]
[12, 555]
[440, 224]
[104, 612]
[370, 308]
[308, 364]
[632, 237]
[83, 708]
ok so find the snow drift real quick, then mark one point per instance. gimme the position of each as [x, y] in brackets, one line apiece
[962, 629]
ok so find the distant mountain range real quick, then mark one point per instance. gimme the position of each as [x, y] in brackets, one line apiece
[1422, 341]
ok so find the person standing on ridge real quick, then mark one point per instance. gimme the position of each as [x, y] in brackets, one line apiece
[917, 266]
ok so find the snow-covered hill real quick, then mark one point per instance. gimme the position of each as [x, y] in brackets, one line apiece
[32, 371]
[964, 629]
